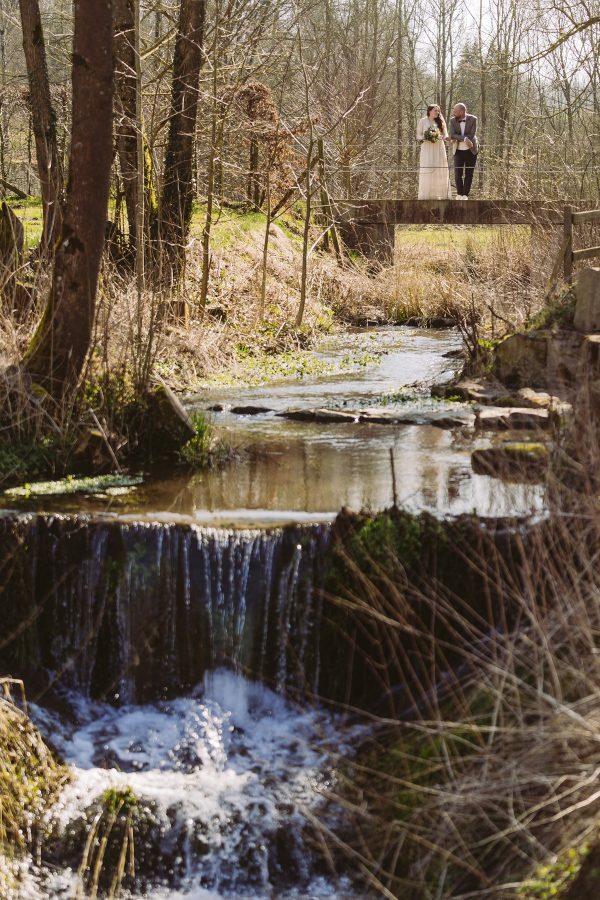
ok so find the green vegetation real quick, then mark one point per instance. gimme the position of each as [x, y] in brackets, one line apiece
[396, 533]
[553, 880]
[113, 800]
[452, 237]
[30, 213]
[30, 459]
[204, 449]
[559, 314]
[233, 225]
[30, 779]
[128, 432]
[73, 485]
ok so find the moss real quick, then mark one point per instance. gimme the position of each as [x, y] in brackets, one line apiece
[113, 800]
[394, 532]
[73, 485]
[558, 314]
[553, 880]
[526, 448]
[30, 779]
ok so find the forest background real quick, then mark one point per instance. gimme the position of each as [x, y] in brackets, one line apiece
[225, 109]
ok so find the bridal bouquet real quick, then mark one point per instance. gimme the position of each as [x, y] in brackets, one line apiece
[432, 134]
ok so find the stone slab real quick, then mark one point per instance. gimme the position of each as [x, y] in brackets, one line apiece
[508, 418]
[321, 416]
[513, 461]
[587, 301]
[250, 410]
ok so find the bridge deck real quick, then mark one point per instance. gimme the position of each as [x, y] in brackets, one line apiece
[453, 212]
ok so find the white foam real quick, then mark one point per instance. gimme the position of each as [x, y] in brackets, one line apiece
[234, 762]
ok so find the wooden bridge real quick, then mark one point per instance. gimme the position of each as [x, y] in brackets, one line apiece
[369, 225]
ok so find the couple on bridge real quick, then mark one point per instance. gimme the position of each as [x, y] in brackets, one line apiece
[432, 134]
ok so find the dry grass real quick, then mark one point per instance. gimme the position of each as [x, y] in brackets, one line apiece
[438, 272]
[449, 271]
[30, 779]
[494, 770]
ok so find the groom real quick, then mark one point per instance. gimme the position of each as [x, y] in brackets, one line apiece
[463, 134]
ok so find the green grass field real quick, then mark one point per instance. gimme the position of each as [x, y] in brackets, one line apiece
[455, 237]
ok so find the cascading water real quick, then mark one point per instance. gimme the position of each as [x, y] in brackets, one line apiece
[131, 612]
[149, 634]
[228, 783]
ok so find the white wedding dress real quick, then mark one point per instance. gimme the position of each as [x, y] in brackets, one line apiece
[434, 175]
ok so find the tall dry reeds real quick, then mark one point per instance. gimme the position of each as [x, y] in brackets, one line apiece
[485, 762]
[449, 271]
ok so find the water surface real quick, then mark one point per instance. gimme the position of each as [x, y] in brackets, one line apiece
[290, 471]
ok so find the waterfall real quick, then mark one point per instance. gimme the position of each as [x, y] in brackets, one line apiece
[174, 648]
[158, 638]
[138, 611]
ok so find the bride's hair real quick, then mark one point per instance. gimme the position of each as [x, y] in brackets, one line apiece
[439, 120]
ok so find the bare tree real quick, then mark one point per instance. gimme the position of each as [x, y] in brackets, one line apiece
[44, 120]
[62, 339]
[177, 195]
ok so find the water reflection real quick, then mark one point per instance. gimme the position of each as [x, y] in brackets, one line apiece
[297, 471]
[307, 472]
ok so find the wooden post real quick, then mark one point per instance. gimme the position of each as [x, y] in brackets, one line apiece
[568, 243]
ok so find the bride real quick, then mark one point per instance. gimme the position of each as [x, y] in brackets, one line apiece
[434, 176]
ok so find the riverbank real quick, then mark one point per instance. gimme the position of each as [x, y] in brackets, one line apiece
[31, 779]
[483, 782]
[241, 339]
[362, 433]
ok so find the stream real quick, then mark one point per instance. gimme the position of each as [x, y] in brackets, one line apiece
[297, 471]
[175, 623]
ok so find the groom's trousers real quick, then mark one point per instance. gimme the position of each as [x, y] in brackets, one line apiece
[464, 166]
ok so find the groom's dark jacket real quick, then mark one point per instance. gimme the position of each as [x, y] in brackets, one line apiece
[470, 131]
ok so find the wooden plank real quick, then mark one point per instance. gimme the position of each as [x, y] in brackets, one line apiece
[449, 212]
[586, 254]
[592, 215]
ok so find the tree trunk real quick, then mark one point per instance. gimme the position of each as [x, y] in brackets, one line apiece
[177, 196]
[215, 130]
[400, 98]
[62, 339]
[44, 121]
[3, 113]
[253, 174]
[125, 103]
